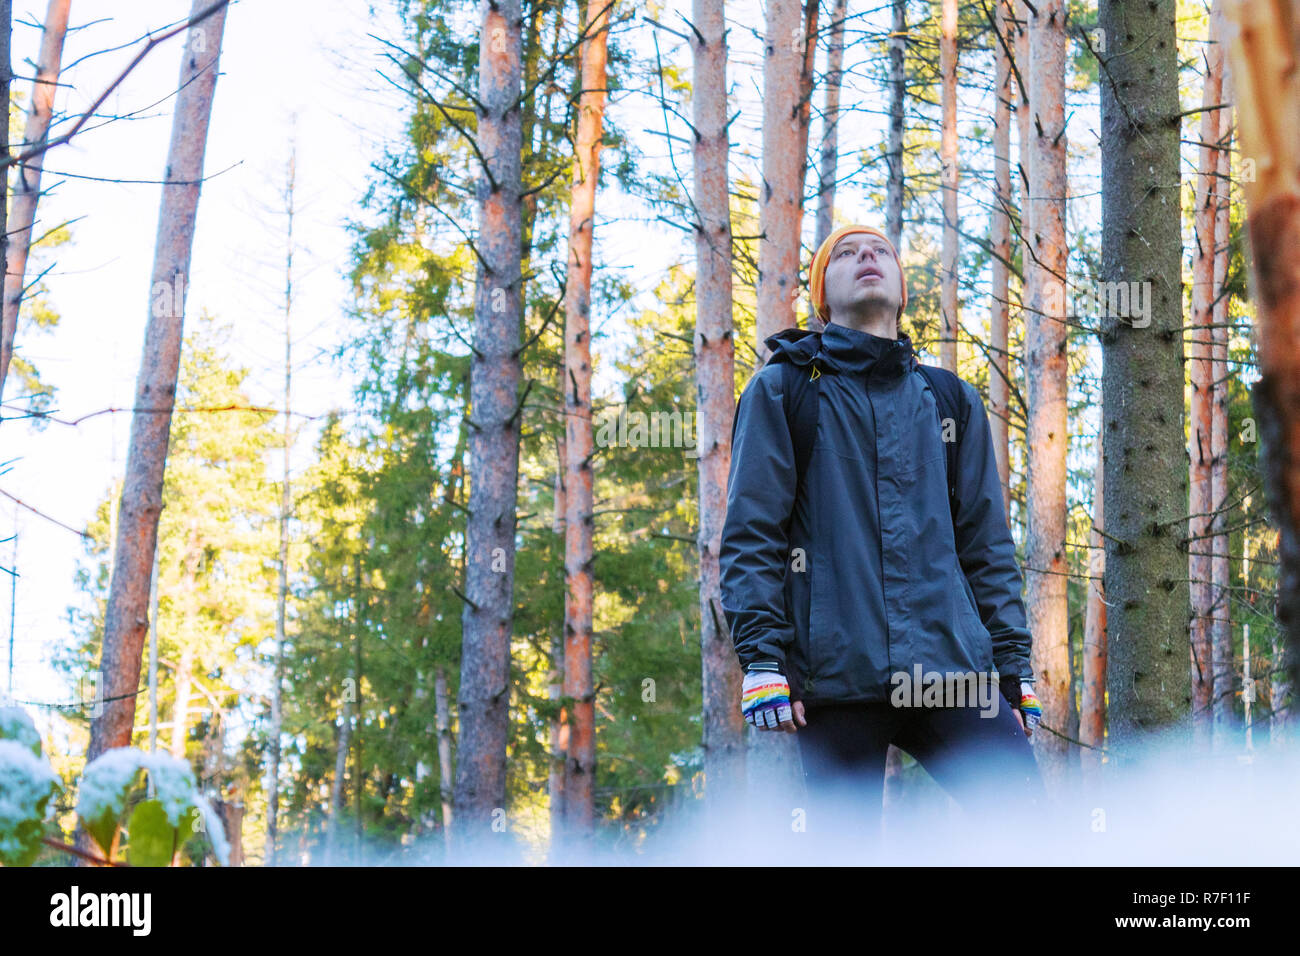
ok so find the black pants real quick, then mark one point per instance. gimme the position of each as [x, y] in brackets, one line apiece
[985, 762]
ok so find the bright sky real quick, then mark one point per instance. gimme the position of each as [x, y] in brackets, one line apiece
[280, 58]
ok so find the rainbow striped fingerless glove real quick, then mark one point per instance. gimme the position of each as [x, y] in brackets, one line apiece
[1030, 707]
[765, 699]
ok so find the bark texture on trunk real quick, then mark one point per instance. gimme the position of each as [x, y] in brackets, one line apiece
[897, 105]
[580, 762]
[1000, 240]
[126, 618]
[785, 121]
[1047, 377]
[1148, 680]
[1092, 707]
[1265, 84]
[830, 152]
[1203, 371]
[495, 407]
[715, 397]
[27, 181]
[1224, 678]
[948, 296]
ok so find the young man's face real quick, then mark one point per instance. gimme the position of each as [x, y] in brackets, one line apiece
[862, 277]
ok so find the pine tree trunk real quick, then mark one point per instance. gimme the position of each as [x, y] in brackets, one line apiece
[1202, 374]
[286, 507]
[233, 818]
[333, 839]
[559, 742]
[1000, 241]
[495, 407]
[579, 442]
[1148, 681]
[1024, 182]
[153, 656]
[126, 618]
[715, 395]
[948, 162]
[1224, 676]
[1092, 707]
[6, 83]
[1269, 121]
[442, 714]
[1025, 153]
[894, 230]
[1047, 385]
[781, 198]
[27, 181]
[897, 106]
[830, 152]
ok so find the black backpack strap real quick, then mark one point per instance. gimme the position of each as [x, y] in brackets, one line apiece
[947, 396]
[801, 405]
[801, 397]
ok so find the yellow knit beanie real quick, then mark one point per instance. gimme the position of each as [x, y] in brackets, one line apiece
[817, 271]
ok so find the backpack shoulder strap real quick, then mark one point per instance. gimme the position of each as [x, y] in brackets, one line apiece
[801, 397]
[947, 395]
[801, 405]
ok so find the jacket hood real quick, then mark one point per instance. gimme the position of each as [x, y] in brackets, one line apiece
[838, 348]
[797, 346]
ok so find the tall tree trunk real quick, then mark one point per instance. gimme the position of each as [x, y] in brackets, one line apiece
[137, 528]
[1025, 155]
[559, 741]
[948, 297]
[6, 82]
[286, 508]
[1267, 40]
[580, 763]
[359, 784]
[830, 152]
[495, 405]
[897, 105]
[715, 395]
[1203, 373]
[1092, 707]
[153, 656]
[27, 182]
[1025, 183]
[1220, 573]
[233, 819]
[1148, 681]
[333, 838]
[781, 199]
[894, 230]
[1048, 382]
[442, 712]
[1000, 240]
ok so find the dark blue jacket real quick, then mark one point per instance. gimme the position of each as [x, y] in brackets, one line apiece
[862, 574]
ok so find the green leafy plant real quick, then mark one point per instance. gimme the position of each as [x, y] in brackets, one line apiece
[147, 803]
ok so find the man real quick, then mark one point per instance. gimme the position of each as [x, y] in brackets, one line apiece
[846, 584]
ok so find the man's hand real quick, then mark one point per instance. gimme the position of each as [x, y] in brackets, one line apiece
[798, 716]
[1030, 711]
[1020, 695]
[765, 702]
